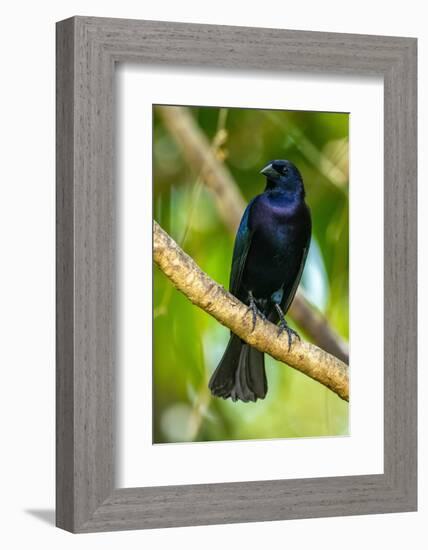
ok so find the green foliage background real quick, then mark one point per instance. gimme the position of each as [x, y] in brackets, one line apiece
[188, 343]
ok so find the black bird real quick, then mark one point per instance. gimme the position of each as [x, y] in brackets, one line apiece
[269, 255]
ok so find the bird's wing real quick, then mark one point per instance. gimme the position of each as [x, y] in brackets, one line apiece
[240, 251]
[289, 295]
[291, 291]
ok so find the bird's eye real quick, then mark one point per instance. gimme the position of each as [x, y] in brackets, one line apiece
[285, 171]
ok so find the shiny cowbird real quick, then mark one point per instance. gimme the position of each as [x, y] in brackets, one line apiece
[269, 255]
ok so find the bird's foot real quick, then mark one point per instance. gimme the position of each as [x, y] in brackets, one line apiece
[255, 310]
[283, 325]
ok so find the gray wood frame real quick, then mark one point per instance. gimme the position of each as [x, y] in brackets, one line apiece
[87, 50]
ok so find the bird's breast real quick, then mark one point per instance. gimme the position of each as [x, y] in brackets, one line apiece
[277, 223]
[280, 233]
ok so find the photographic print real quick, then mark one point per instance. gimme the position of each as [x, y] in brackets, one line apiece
[259, 199]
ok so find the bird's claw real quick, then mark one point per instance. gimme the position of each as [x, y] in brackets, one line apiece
[283, 325]
[255, 311]
[290, 332]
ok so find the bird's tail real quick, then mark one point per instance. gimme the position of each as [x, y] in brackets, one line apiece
[240, 374]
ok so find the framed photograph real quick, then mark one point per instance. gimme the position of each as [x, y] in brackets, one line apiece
[265, 367]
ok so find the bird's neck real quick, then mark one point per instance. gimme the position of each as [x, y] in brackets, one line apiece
[284, 198]
[274, 209]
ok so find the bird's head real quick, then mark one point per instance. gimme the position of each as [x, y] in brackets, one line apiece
[284, 176]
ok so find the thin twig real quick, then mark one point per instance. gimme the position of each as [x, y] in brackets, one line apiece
[199, 154]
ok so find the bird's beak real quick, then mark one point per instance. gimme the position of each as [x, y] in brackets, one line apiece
[269, 172]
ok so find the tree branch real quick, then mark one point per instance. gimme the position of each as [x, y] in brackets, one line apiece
[314, 323]
[205, 293]
[230, 203]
